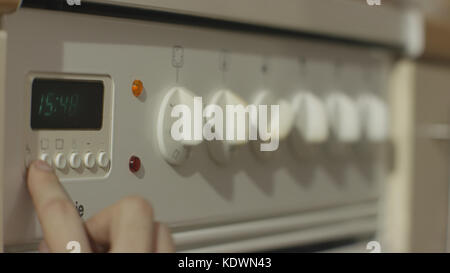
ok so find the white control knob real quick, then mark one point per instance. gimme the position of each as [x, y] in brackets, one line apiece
[89, 160]
[274, 127]
[235, 132]
[60, 161]
[311, 117]
[374, 118]
[103, 159]
[286, 118]
[344, 118]
[75, 160]
[281, 121]
[45, 157]
[175, 137]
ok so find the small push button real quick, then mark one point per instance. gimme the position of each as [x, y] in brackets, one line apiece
[60, 161]
[45, 157]
[89, 160]
[103, 159]
[75, 160]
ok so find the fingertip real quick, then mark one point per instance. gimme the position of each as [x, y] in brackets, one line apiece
[43, 248]
[164, 240]
[39, 175]
[41, 165]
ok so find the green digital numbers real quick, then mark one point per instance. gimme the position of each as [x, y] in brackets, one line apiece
[73, 106]
[63, 104]
[46, 107]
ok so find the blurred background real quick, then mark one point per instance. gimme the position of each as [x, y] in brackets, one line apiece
[417, 190]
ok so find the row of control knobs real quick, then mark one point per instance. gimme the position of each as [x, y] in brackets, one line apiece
[76, 160]
[316, 120]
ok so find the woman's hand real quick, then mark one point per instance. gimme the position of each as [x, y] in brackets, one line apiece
[126, 226]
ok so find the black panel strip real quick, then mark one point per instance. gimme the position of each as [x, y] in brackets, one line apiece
[119, 11]
[329, 245]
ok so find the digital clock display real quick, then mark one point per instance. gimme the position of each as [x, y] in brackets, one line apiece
[60, 104]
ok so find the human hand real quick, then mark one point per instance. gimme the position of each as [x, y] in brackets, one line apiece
[126, 226]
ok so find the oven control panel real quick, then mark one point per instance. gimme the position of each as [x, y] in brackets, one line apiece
[124, 107]
[69, 123]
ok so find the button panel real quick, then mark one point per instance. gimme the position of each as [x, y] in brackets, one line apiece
[75, 154]
[82, 162]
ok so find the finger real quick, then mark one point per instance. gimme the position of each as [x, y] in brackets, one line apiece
[164, 241]
[98, 228]
[126, 226]
[59, 219]
[43, 248]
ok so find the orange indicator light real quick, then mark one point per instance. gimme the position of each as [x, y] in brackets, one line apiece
[137, 88]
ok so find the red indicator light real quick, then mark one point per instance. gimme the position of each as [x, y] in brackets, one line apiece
[135, 164]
